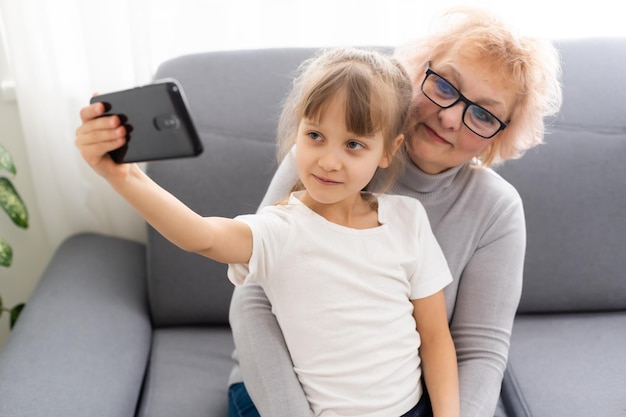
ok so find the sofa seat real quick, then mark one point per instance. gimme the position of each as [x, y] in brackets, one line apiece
[188, 372]
[568, 365]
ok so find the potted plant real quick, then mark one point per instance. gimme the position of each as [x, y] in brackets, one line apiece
[14, 206]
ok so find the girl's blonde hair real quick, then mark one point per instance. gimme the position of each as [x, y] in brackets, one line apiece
[529, 66]
[378, 94]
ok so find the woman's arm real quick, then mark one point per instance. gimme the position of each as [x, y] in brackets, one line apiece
[264, 361]
[438, 355]
[283, 181]
[486, 303]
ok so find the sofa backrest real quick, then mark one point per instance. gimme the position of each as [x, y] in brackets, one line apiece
[235, 101]
[574, 188]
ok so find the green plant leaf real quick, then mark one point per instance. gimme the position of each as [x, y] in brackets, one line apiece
[6, 161]
[12, 203]
[14, 206]
[6, 254]
[15, 314]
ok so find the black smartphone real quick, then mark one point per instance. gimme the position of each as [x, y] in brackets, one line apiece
[157, 120]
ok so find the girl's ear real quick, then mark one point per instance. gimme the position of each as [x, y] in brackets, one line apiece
[388, 157]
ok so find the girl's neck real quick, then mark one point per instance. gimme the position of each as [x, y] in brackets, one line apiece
[360, 212]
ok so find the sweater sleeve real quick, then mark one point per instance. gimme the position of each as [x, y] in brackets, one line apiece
[285, 177]
[263, 359]
[488, 297]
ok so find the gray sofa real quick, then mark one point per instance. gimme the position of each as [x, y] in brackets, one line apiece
[117, 328]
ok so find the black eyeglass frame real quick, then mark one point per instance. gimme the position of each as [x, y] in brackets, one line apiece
[463, 99]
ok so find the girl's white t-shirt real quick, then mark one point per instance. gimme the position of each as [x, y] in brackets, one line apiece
[342, 299]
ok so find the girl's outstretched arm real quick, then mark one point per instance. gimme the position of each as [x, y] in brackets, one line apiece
[221, 239]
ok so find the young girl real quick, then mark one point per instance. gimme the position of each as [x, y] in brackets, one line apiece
[355, 279]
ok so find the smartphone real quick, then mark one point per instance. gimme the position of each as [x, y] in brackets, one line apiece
[157, 120]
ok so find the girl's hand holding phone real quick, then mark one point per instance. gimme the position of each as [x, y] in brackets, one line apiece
[96, 137]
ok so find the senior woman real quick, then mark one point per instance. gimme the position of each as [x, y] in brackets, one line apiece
[481, 94]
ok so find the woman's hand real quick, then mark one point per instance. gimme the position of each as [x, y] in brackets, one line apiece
[96, 137]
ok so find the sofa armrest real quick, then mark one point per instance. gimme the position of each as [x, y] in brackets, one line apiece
[81, 345]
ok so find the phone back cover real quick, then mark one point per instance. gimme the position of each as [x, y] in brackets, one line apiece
[157, 121]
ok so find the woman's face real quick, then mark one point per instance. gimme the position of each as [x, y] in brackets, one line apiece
[437, 138]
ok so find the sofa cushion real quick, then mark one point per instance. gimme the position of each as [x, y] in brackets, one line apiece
[567, 365]
[188, 373]
[573, 187]
[574, 193]
[594, 82]
[236, 91]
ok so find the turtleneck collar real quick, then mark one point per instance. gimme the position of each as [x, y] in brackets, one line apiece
[428, 186]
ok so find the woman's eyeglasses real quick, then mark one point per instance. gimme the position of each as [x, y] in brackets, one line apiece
[477, 119]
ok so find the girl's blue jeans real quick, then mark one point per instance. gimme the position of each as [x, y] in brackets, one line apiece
[240, 404]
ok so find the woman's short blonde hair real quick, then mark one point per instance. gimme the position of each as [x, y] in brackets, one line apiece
[529, 66]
